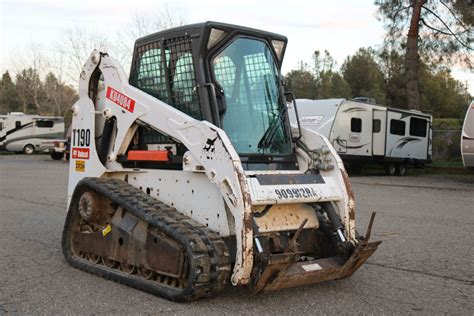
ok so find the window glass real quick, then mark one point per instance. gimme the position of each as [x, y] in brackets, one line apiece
[45, 124]
[17, 124]
[184, 82]
[376, 126]
[151, 75]
[165, 70]
[397, 127]
[356, 125]
[418, 127]
[246, 72]
[1, 126]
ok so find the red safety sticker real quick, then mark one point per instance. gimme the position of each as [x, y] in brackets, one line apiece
[80, 153]
[120, 99]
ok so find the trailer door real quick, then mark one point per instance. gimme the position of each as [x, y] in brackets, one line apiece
[378, 132]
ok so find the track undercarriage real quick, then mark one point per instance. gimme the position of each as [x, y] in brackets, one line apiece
[120, 233]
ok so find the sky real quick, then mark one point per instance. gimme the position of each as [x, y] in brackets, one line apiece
[339, 26]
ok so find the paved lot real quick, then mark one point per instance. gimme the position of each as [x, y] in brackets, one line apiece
[425, 264]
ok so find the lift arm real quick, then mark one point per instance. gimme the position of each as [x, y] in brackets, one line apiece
[210, 150]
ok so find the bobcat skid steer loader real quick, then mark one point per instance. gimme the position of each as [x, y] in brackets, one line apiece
[187, 176]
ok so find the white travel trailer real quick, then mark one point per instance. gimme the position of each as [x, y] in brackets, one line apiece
[363, 132]
[467, 138]
[25, 133]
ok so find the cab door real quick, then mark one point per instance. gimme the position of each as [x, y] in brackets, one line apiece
[379, 127]
[359, 120]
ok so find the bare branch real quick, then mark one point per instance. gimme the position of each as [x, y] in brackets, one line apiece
[447, 27]
[400, 10]
[455, 16]
[434, 29]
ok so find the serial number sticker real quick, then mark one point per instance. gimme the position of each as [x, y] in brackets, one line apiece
[295, 193]
[80, 165]
[311, 267]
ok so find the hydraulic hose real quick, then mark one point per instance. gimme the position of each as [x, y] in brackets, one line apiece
[338, 238]
[106, 140]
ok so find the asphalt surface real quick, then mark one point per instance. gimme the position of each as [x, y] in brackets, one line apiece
[425, 264]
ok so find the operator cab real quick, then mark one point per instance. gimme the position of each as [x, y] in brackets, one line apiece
[228, 75]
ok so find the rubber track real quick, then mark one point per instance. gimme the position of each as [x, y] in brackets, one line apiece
[207, 254]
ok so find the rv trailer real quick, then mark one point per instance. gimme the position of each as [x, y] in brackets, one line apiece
[467, 138]
[363, 132]
[25, 133]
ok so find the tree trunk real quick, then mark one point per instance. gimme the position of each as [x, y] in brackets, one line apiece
[412, 58]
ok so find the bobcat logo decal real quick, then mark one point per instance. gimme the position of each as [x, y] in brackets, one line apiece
[210, 147]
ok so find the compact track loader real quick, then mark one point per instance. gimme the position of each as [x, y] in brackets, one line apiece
[187, 175]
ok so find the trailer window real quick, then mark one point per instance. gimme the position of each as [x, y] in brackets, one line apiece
[376, 126]
[1, 126]
[356, 125]
[418, 127]
[17, 124]
[397, 127]
[45, 124]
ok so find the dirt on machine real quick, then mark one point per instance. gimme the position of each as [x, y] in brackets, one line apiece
[187, 177]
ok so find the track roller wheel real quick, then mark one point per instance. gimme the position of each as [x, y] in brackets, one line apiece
[145, 273]
[128, 268]
[109, 263]
[111, 224]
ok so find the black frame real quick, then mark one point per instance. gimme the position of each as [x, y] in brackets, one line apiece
[415, 129]
[208, 90]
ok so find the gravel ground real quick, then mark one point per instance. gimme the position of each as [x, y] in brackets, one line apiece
[425, 264]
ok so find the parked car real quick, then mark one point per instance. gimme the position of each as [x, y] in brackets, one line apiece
[57, 148]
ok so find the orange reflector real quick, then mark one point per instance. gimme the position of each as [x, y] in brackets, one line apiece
[148, 155]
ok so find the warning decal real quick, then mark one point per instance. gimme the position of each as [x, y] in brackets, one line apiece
[80, 165]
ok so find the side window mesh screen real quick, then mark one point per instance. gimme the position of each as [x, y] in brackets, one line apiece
[165, 69]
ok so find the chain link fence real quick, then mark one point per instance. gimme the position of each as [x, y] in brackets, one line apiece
[447, 145]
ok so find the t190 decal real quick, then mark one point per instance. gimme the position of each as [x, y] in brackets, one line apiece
[81, 137]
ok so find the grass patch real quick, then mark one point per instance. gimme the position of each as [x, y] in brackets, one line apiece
[447, 164]
[5, 153]
[436, 167]
[447, 124]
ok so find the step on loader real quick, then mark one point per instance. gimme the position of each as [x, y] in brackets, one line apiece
[186, 176]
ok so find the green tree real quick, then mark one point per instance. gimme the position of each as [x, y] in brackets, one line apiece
[364, 75]
[59, 96]
[301, 82]
[9, 101]
[439, 32]
[30, 90]
[392, 65]
[333, 85]
[322, 62]
[442, 95]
